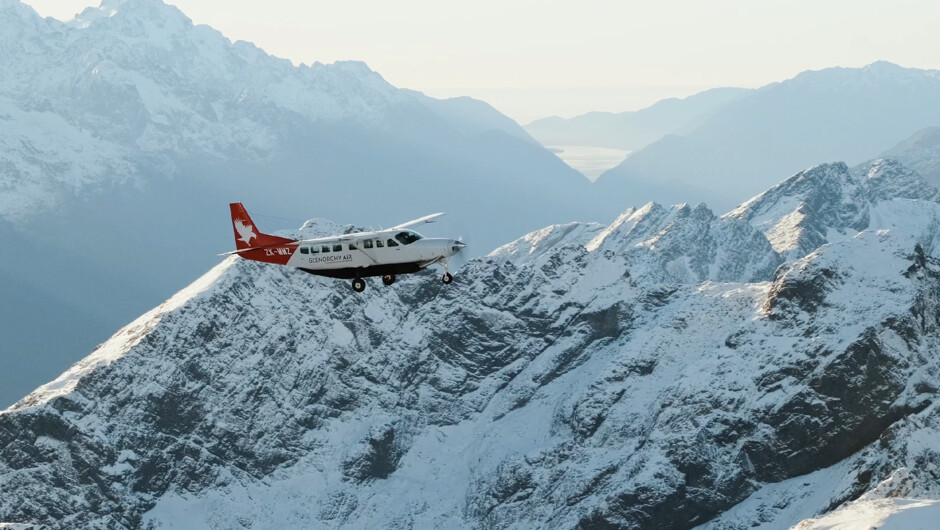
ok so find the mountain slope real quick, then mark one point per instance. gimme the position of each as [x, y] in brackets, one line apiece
[832, 114]
[583, 376]
[920, 152]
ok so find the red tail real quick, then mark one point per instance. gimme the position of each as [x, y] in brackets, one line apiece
[247, 234]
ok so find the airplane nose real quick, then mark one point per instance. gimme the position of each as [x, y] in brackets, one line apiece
[457, 246]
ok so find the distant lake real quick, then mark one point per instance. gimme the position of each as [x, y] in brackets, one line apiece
[590, 161]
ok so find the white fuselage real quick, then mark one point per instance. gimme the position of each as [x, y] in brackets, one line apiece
[371, 253]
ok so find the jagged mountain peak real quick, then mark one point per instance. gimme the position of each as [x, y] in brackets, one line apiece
[148, 55]
[118, 13]
[852, 80]
[828, 202]
[628, 221]
[810, 181]
[18, 8]
[684, 244]
[19, 26]
[134, 32]
[651, 217]
[890, 179]
[547, 239]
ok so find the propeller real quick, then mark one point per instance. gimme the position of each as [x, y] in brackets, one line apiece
[462, 256]
[458, 260]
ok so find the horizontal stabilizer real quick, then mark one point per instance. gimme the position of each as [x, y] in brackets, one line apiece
[249, 249]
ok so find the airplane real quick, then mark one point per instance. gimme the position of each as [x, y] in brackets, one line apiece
[385, 253]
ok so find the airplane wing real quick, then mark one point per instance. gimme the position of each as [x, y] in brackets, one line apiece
[425, 219]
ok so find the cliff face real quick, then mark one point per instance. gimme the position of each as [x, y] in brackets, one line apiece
[670, 370]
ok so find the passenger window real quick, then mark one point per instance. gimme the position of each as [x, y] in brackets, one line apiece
[379, 244]
[352, 246]
[314, 250]
[392, 243]
[367, 243]
[337, 248]
[304, 250]
[325, 248]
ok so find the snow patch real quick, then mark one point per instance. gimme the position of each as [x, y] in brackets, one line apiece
[884, 514]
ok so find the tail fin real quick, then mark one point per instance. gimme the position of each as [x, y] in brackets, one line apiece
[247, 234]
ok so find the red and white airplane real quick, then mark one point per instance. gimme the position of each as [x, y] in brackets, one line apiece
[384, 253]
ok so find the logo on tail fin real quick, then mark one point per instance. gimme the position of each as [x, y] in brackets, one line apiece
[246, 232]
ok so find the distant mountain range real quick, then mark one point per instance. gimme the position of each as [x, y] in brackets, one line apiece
[633, 130]
[744, 146]
[672, 369]
[124, 133]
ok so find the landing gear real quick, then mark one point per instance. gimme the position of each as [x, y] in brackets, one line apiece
[446, 278]
[388, 279]
[359, 285]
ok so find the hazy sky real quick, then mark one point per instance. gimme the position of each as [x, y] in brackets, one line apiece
[534, 58]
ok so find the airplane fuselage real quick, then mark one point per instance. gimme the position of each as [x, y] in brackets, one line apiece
[384, 253]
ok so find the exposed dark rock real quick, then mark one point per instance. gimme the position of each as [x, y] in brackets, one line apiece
[799, 292]
[376, 458]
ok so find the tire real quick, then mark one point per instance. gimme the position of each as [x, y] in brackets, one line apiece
[447, 278]
[388, 279]
[359, 285]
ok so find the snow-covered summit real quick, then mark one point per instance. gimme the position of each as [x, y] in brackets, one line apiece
[688, 245]
[150, 20]
[829, 202]
[840, 80]
[138, 80]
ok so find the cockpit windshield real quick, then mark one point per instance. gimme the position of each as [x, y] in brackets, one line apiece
[408, 237]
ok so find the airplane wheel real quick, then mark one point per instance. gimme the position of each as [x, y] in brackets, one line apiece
[447, 278]
[359, 285]
[388, 279]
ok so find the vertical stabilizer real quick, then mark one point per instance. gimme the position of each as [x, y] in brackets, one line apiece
[247, 234]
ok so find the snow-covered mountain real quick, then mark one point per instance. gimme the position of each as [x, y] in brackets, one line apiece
[830, 203]
[132, 89]
[845, 114]
[126, 131]
[672, 369]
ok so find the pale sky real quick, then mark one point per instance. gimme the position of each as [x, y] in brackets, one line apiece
[536, 58]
